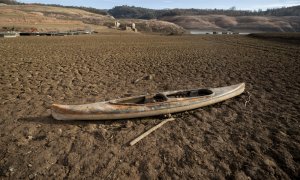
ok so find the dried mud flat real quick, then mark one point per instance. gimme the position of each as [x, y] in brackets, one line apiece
[228, 140]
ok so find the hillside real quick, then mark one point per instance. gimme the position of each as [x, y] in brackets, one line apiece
[145, 13]
[272, 20]
[175, 21]
[239, 23]
[54, 18]
[155, 26]
[47, 18]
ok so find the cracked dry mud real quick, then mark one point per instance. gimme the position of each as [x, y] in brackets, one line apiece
[227, 140]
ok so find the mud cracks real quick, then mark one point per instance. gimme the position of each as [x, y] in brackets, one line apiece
[226, 140]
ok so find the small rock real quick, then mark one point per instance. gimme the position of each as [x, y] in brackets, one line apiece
[129, 124]
[28, 152]
[136, 163]
[136, 81]
[32, 176]
[60, 131]
[269, 162]
[29, 165]
[241, 175]
[11, 169]
[91, 127]
[282, 133]
[29, 137]
[149, 77]
[220, 139]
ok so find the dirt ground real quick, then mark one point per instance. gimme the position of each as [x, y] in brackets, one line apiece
[293, 37]
[229, 140]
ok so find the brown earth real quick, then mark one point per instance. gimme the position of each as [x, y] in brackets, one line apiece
[280, 37]
[48, 18]
[228, 140]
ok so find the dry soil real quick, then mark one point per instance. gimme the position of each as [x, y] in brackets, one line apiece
[255, 135]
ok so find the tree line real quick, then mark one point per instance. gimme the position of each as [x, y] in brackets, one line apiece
[10, 2]
[145, 13]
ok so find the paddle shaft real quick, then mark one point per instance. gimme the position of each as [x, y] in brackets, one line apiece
[150, 131]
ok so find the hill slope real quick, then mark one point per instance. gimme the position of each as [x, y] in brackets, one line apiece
[155, 26]
[55, 18]
[144, 13]
[239, 23]
[48, 17]
[272, 20]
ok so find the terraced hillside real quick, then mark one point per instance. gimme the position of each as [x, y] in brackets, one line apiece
[48, 17]
[238, 23]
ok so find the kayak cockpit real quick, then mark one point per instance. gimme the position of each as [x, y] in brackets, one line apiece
[191, 93]
[135, 100]
[159, 97]
[162, 97]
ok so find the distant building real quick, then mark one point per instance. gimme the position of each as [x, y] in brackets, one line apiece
[133, 27]
[117, 24]
[10, 34]
[128, 27]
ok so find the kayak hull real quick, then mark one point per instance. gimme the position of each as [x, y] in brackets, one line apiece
[109, 110]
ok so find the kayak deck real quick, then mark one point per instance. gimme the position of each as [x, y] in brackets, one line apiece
[163, 97]
[146, 105]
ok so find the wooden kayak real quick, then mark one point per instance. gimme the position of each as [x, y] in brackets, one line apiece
[147, 105]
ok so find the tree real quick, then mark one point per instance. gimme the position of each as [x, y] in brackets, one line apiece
[233, 8]
[9, 2]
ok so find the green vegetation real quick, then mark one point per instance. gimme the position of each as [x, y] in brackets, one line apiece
[133, 12]
[10, 2]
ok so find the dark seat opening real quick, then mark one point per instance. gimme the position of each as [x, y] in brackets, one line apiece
[160, 97]
[192, 93]
[204, 92]
[139, 100]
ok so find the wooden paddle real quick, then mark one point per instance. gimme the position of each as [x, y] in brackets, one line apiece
[150, 131]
